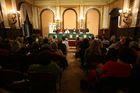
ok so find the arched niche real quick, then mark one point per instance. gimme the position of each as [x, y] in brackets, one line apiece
[69, 19]
[93, 21]
[46, 17]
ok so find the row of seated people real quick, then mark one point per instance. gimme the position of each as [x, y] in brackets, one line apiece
[67, 31]
[24, 54]
[34, 61]
[112, 70]
[116, 75]
[31, 82]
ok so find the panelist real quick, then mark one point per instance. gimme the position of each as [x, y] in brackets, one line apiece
[74, 31]
[67, 31]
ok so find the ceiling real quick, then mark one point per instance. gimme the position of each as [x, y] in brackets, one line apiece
[71, 2]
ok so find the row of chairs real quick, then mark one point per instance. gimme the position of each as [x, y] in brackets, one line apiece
[34, 82]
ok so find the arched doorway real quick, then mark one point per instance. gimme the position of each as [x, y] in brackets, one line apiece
[46, 17]
[93, 21]
[69, 19]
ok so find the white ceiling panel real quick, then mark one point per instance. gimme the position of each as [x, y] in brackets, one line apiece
[71, 2]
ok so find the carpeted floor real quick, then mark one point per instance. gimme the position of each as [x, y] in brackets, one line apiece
[72, 75]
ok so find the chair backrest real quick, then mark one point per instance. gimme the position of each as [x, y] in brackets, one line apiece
[42, 81]
[113, 84]
[8, 76]
[115, 81]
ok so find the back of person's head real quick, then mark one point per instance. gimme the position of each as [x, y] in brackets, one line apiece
[92, 36]
[30, 40]
[94, 43]
[85, 41]
[63, 38]
[46, 40]
[78, 38]
[112, 54]
[54, 37]
[134, 45]
[127, 55]
[54, 46]
[44, 57]
[113, 38]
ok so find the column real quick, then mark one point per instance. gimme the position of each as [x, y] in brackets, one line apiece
[35, 17]
[57, 18]
[105, 17]
[135, 12]
[81, 19]
[5, 12]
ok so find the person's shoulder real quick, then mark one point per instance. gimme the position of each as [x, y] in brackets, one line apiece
[110, 62]
[34, 67]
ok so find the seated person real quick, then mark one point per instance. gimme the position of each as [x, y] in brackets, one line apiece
[86, 30]
[45, 64]
[74, 31]
[67, 31]
[116, 74]
[122, 67]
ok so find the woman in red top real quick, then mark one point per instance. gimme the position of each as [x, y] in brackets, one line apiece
[116, 69]
[122, 67]
[116, 74]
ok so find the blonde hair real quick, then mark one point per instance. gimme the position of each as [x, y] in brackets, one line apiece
[95, 47]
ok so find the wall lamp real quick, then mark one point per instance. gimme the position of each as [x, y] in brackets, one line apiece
[81, 22]
[13, 17]
[126, 16]
[57, 21]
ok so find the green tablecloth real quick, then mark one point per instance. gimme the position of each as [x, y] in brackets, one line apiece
[69, 36]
